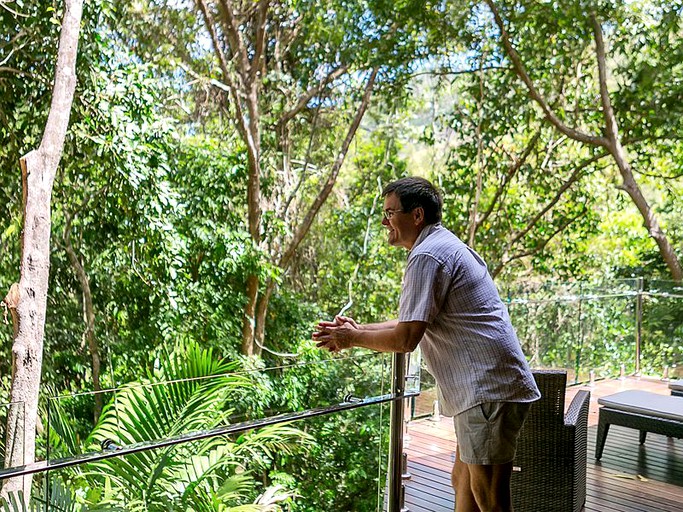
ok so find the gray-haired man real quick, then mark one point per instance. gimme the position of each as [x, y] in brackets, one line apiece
[450, 306]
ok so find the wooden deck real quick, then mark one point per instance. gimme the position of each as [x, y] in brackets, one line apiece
[629, 477]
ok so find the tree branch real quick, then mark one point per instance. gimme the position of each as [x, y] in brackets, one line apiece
[241, 122]
[332, 177]
[512, 170]
[260, 39]
[536, 250]
[534, 93]
[310, 94]
[218, 48]
[611, 128]
[236, 41]
[576, 176]
[302, 176]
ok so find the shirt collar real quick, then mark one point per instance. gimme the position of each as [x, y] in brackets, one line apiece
[426, 231]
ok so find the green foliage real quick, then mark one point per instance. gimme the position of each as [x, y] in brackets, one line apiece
[152, 191]
[353, 263]
[345, 469]
[345, 466]
[188, 391]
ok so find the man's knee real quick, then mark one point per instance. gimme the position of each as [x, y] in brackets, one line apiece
[460, 475]
[490, 486]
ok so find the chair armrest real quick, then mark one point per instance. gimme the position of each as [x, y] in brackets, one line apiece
[578, 410]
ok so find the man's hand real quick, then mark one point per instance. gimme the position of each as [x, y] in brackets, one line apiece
[339, 320]
[336, 335]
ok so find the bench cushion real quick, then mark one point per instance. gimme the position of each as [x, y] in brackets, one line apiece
[645, 403]
[676, 385]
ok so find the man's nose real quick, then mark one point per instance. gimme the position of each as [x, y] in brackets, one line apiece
[385, 221]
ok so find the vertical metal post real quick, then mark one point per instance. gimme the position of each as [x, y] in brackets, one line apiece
[639, 323]
[48, 476]
[398, 379]
[577, 361]
[405, 474]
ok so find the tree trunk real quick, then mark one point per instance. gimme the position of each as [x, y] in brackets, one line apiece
[89, 317]
[630, 185]
[38, 169]
[260, 319]
[609, 141]
[249, 321]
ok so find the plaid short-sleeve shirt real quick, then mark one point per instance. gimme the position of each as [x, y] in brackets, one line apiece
[470, 346]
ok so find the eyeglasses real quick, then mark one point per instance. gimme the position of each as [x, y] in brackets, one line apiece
[389, 213]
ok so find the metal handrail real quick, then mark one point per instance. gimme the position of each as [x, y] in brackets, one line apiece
[118, 451]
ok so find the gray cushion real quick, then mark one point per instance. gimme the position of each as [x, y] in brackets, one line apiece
[676, 384]
[646, 403]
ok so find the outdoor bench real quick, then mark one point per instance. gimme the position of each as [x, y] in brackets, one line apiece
[642, 410]
[676, 387]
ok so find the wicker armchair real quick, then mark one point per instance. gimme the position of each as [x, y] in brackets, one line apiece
[550, 466]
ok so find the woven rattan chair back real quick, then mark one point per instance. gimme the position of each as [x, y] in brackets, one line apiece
[550, 467]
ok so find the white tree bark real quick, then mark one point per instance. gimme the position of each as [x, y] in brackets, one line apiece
[38, 169]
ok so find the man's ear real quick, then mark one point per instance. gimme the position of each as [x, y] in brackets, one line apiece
[419, 215]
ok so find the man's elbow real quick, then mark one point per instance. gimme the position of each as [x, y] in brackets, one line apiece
[410, 344]
[409, 335]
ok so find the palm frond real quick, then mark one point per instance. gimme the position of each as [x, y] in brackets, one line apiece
[13, 503]
[272, 496]
[191, 394]
[61, 434]
[271, 440]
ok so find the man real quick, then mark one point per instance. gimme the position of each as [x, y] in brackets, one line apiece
[450, 306]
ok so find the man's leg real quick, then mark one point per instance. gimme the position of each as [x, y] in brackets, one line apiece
[486, 433]
[490, 486]
[460, 479]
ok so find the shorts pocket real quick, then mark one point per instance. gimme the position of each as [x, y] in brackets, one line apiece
[487, 410]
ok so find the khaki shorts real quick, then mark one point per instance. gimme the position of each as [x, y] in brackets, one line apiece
[487, 433]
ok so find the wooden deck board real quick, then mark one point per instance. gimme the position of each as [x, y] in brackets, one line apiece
[628, 478]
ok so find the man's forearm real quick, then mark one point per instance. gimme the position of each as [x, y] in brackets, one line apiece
[390, 336]
[389, 324]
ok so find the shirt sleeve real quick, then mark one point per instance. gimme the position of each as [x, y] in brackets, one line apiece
[423, 291]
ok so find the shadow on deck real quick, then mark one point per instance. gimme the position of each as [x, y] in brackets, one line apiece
[629, 477]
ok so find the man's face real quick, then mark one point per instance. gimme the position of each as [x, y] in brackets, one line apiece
[404, 227]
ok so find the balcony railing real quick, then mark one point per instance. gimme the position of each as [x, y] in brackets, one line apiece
[127, 447]
[592, 331]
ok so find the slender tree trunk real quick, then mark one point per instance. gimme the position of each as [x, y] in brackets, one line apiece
[630, 185]
[261, 312]
[249, 322]
[89, 317]
[254, 217]
[38, 169]
[474, 211]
